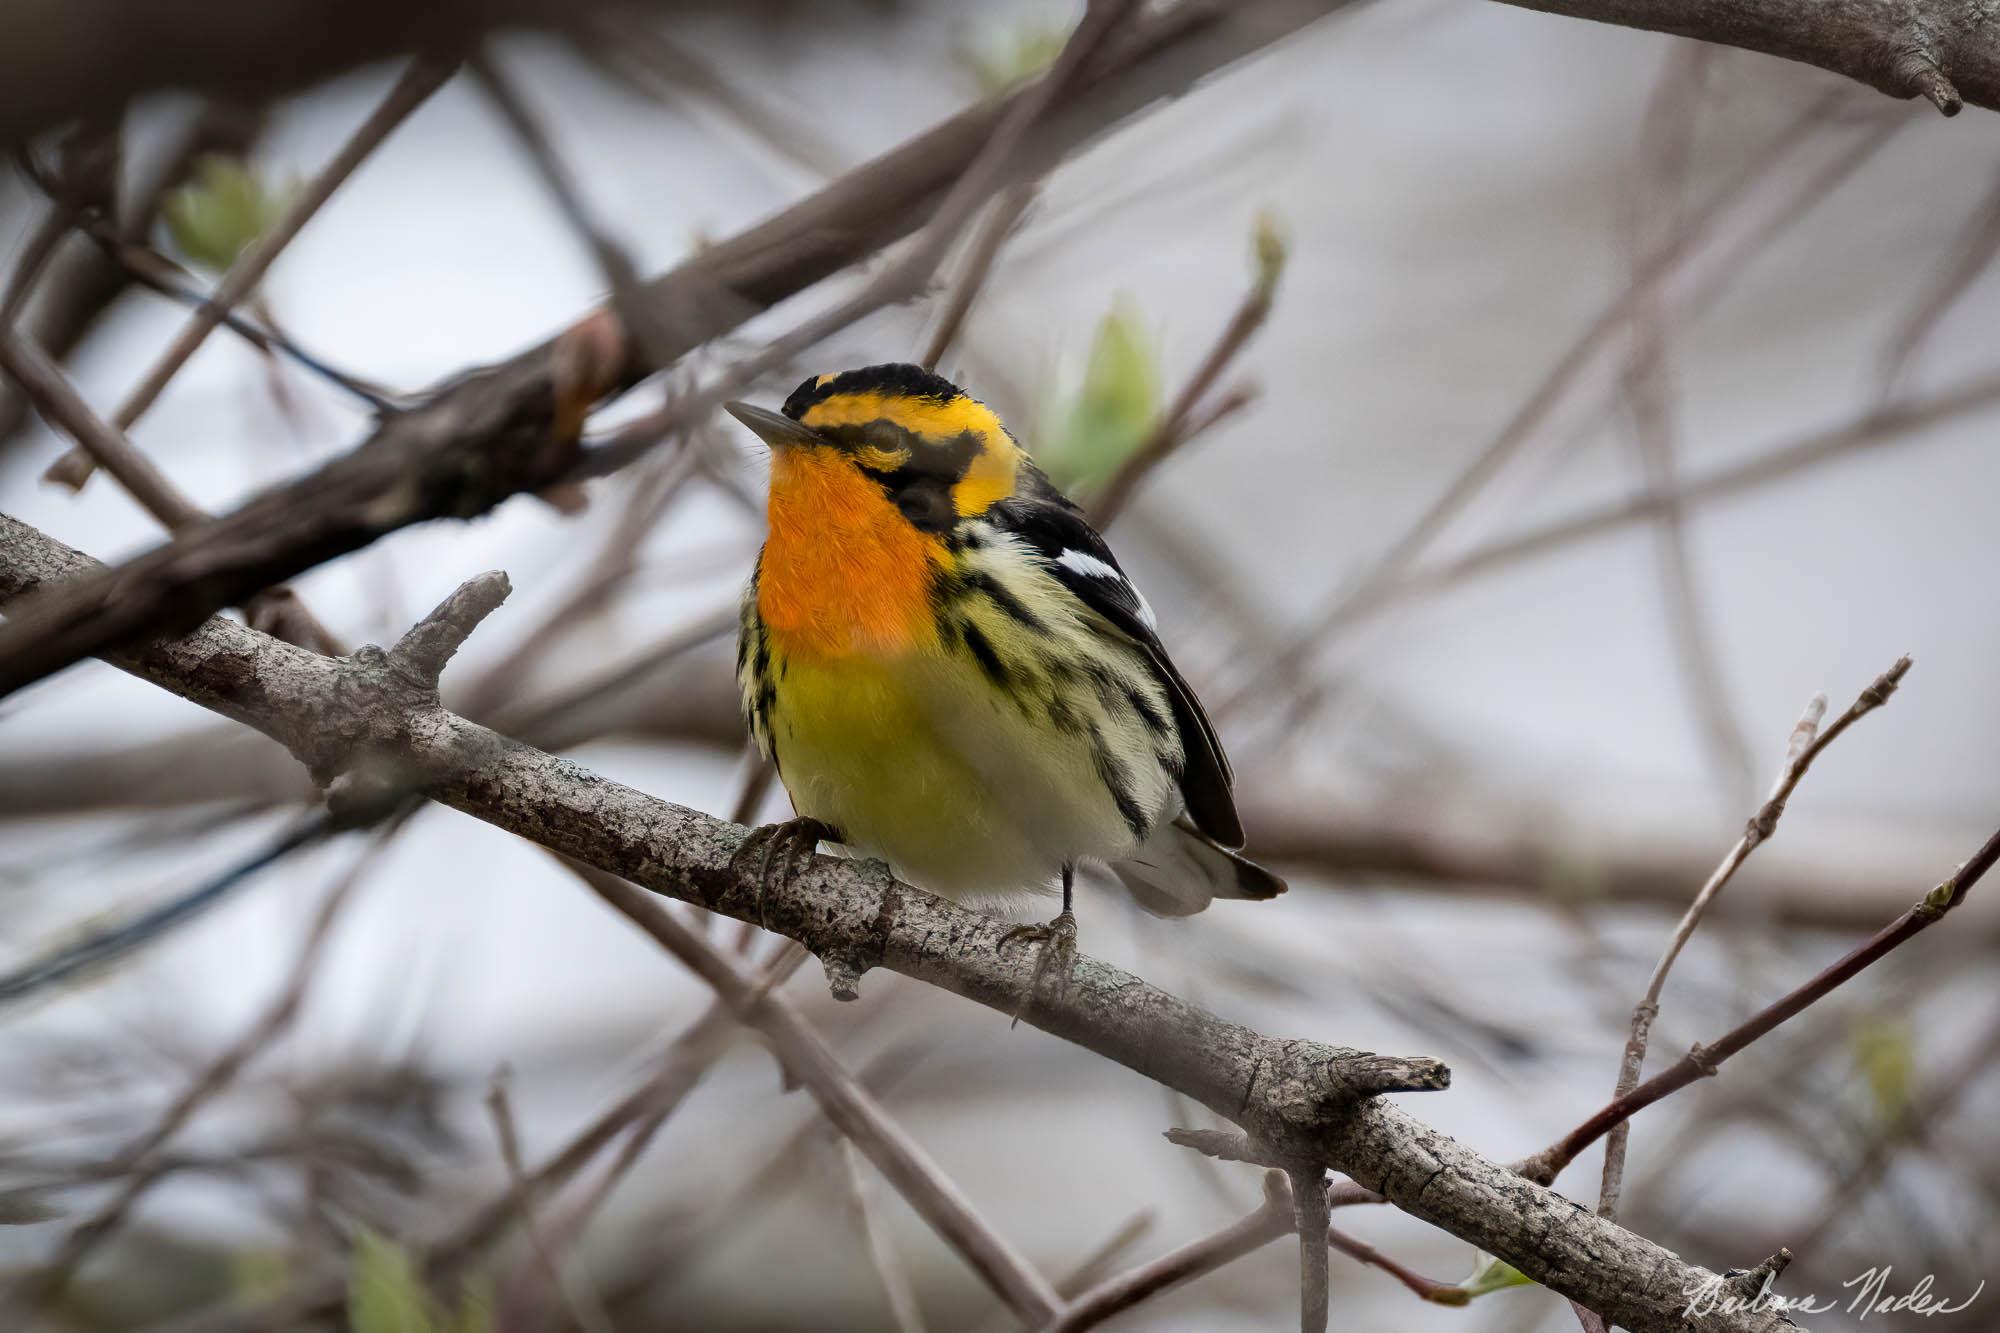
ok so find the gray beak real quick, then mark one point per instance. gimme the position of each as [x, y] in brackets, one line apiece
[773, 428]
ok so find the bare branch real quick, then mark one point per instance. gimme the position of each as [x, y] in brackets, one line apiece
[1179, 424]
[902, 1300]
[844, 1100]
[65, 409]
[1315, 1101]
[423, 78]
[489, 435]
[1704, 1060]
[1390, 574]
[1890, 423]
[276, 1017]
[587, 1314]
[1309, 1220]
[1000, 223]
[1270, 1221]
[1934, 49]
[1803, 747]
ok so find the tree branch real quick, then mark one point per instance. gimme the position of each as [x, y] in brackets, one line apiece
[423, 78]
[1807, 743]
[1943, 50]
[509, 428]
[1317, 1103]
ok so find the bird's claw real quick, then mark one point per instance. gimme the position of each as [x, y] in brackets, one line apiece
[1057, 939]
[796, 840]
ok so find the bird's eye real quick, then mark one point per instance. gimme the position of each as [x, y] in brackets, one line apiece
[877, 459]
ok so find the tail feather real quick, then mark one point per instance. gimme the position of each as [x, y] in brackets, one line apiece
[1181, 870]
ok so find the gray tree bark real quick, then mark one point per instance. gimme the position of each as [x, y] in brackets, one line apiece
[1318, 1105]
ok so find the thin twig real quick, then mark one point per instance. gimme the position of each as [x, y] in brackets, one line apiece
[847, 1104]
[424, 77]
[903, 1308]
[1176, 426]
[112, 942]
[1704, 1060]
[1389, 568]
[1883, 425]
[615, 561]
[1424, 1288]
[1309, 1210]
[270, 1024]
[627, 297]
[1000, 223]
[1665, 150]
[157, 273]
[1975, 251]
[1267, 1223]
[690, 1055]
[587, 1312]
[632, 45]
[1806, 744]
[64, 408]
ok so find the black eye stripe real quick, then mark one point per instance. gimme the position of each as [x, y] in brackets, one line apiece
[920, 485]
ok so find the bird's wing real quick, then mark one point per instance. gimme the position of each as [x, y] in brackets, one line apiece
[1074, 554]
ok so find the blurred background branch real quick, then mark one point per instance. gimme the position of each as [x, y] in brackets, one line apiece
[1600, 411]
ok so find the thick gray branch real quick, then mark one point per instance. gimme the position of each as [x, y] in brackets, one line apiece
[61, 61]
[1310, 1101]
[1945, 50]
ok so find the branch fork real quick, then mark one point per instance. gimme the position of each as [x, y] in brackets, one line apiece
[379, 695]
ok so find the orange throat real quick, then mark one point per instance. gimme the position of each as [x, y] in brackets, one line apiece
[844, 574]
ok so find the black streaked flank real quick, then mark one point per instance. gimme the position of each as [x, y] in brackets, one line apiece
[989, 661]
[1112, 775]
[1044, 518]
[1143, 706]
[979, 581]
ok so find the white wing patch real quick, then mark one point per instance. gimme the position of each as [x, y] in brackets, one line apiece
[1088, 565]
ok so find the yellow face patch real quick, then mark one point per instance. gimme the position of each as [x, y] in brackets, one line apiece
[990, 476]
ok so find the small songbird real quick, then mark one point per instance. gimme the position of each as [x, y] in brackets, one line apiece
[951, 672]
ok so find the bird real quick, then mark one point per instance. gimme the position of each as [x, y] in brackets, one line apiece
[951, 673]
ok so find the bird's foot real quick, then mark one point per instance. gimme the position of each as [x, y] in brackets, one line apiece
[1057, 939]
[787, 849]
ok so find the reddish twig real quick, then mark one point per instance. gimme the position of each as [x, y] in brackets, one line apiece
[1267, 1223]
[1704, 1060]
[1423, 1288]
[1178, 425]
